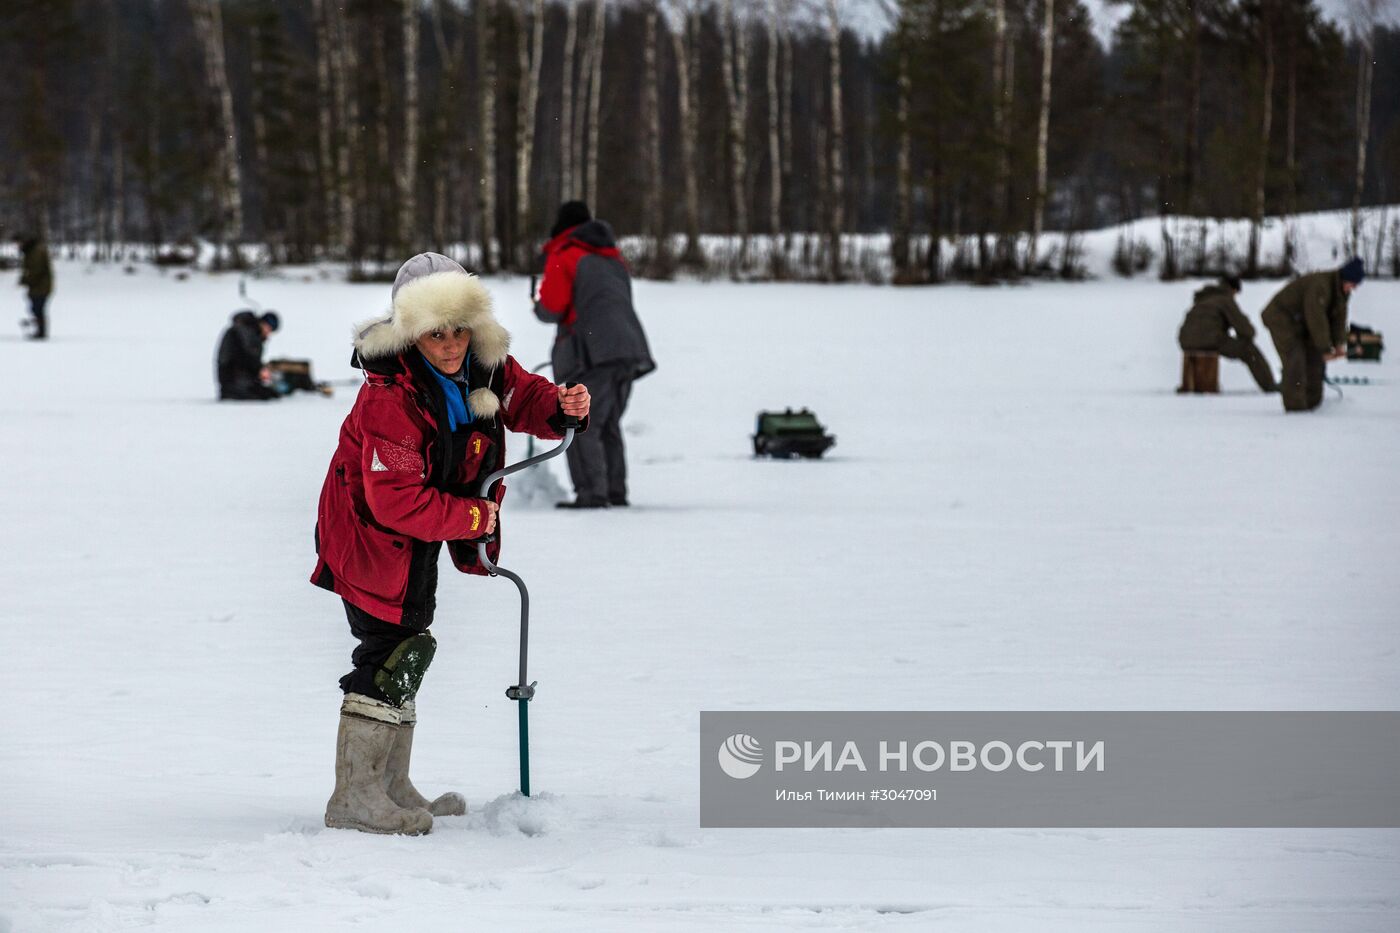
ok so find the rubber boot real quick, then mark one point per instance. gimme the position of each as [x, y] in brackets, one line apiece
[368, 728]
[396, 780]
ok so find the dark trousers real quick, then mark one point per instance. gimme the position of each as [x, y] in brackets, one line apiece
[597, 460]
[1234, 348]
[378, 639]
[1304, 370]
[246, 390]
[37, 304]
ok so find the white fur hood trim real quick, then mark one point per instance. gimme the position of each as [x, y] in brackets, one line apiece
[430, 302]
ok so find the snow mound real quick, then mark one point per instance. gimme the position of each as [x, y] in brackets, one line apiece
[509, 814]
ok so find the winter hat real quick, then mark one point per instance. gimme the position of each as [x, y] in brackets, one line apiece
[433, 292]
[571, 214]
[271, 319]
[1354, 271]
[1232, 282]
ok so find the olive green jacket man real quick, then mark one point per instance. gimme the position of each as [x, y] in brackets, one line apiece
[1213, 315]
[37, 274]
[1311, 307]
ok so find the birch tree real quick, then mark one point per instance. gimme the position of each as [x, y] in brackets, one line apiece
[595, 95]
[1266, 119]
[682, 44]
[385, 185]
[325, 129]
[446, 180]
[838, 143]
[651, 116]
[904, 194]
[1003, 84]
[209, 30]
[486, 64]
[776, 15]
[1364, 15]
[1042, 178]
[408, 169]
[736, 97]
[350, 174]
[567, 162]
[530, 52]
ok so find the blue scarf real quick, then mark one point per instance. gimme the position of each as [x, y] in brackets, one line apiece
[457, 410]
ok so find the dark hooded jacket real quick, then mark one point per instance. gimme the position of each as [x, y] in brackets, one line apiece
[1312, 307]
[1213, 315]
[37, 273]
[240, 357]
[587, 291]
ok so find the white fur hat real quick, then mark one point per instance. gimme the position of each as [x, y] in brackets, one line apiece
[431, 292]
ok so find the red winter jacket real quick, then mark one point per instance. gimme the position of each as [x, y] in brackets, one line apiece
[399, 479]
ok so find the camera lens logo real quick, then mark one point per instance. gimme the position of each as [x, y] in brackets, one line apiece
[741, 756]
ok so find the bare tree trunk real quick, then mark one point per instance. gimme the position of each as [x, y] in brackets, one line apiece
[786, 134]
[820, 142]
[345, 59]
[838, 143]
[651, 116]
[1042, 147]
[1364, 75]
[1266, 121]
[567, 173]
[903, 219]
[530, 58]
[581, 98]
[775, 150]
[1169, 268]
[118, 193]
[1193, 111]
[682, 46]
[738, 168]
[267, 226]
[94, 224]
[209, 27]
[486, 62]
[1291, 155]
[408, 171]
[385, 186]
[325, 101]
[1003, 62]
[595, 97]
[446, 180]
[1290, 240]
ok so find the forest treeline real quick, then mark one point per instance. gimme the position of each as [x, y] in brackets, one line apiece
[967, 130]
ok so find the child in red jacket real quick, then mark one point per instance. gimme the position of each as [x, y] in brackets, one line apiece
[428, 425]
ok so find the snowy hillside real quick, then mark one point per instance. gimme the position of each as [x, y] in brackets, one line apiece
[1019, 514]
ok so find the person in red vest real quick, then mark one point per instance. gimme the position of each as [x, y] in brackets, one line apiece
[587, 293]
[427, 427]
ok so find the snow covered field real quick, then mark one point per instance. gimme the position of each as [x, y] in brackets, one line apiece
[1019, 514]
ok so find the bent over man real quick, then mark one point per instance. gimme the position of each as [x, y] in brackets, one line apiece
[1308, 321]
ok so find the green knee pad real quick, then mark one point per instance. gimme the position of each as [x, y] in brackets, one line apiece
[402, 674]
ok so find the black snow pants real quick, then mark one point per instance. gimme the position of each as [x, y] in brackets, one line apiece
[597, 460]
[37, 304]
[379, 638]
